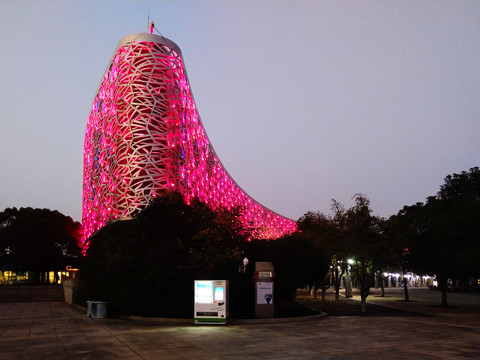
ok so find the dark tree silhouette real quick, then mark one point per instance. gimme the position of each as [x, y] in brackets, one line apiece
[443, 232]
[146, 266]
[38, 240]
[324, 232]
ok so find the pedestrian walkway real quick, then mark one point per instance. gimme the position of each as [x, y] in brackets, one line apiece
[55, 330]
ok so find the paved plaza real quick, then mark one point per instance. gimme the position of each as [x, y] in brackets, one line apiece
[56, 330]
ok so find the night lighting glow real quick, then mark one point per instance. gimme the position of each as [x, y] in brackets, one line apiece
[144, 135]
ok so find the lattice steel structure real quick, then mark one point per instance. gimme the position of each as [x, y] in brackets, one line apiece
[144, 135]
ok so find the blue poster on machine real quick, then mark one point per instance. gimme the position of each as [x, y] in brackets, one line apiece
[265, 293]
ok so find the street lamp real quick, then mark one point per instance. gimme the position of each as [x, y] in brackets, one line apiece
[243, 267]
[348, 279]
[404, 268]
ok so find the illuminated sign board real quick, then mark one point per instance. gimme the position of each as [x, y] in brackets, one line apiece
[203, 292]
[210, 301]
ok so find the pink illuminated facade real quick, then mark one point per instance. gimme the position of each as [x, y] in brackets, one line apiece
[144, 135]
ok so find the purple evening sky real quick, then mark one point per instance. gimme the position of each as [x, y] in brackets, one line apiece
[303, 101]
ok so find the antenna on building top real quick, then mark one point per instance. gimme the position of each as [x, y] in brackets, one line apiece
[150, 24]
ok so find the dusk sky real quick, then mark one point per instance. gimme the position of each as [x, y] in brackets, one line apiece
[303, 101]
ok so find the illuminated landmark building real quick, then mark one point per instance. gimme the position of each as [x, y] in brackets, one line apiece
[144, 135]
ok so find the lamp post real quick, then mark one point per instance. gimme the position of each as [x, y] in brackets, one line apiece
[348, 279]
[404, 268]
[243, 267]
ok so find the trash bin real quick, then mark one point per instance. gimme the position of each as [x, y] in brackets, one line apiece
[100, 310]
[97, 309]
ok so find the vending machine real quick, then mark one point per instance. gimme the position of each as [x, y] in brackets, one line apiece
[210, 301]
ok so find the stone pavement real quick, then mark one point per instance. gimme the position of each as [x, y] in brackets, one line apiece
[55, 330]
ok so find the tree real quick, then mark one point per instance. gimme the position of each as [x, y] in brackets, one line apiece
[343, 251]
[459, 197]
[38, 240]
[323, 231]
[384, 252]
[363, 232]
[444, 237]
[464, 186]
[146, 266]
[402, 230]
[349, 234]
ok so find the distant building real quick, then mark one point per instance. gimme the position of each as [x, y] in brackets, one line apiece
[144, 135]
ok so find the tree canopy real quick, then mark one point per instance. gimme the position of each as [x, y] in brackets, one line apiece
[37, 240]
[147, 265]
[442, 234]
